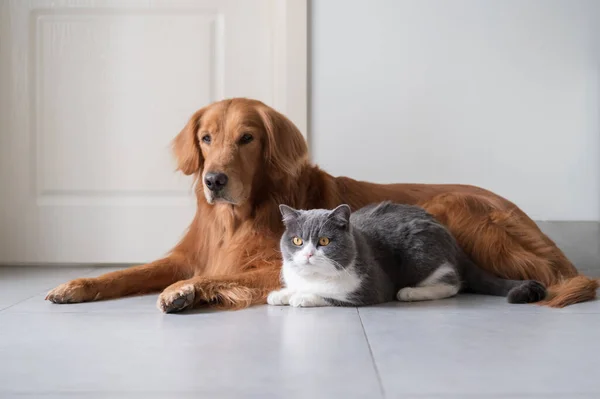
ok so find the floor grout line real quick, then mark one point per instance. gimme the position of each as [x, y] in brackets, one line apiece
[41, 291]
[372, 356]
[18, 302]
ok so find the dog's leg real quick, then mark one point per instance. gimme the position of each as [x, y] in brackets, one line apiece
[147, 278]
[229, 292]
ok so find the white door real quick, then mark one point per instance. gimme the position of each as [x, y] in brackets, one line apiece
[93, 92]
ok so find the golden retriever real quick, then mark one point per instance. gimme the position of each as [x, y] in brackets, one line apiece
[247, 159]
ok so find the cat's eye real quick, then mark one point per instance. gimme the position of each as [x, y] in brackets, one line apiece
[297, 241]
[206, 138]
[323, 241]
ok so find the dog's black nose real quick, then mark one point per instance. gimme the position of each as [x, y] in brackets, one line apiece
[215, 181]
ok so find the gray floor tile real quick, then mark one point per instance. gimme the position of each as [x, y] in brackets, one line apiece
[259, 351]
[217, 395]
[578, 308]
[475, 304]
[133, 304]
[465, 347]
[155, 395]
[463, 303]
[495, 353]
[19, 283]
[479, 396]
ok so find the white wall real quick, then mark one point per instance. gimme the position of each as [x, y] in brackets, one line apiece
[501, 94]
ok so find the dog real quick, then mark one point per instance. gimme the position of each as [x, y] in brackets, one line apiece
[247, 159]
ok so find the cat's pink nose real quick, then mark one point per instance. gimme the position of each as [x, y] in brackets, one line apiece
[308, 255]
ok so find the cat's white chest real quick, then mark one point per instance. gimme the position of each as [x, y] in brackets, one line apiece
[337, 287]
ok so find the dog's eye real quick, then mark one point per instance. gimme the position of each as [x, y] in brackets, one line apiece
[206, 138]
[297, 241]
[246, 138]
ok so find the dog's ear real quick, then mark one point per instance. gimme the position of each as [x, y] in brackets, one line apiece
[187, 148]
[285, 148]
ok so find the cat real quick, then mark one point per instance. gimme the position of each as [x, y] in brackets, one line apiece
[378, 253]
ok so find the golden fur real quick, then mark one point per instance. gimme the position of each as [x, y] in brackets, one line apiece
[229, 256]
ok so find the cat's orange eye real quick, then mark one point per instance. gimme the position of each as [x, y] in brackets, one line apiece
[323, 241]
[297, 241]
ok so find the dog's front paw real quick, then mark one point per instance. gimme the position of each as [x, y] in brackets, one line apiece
[79, 290]
[306, 301]
[176, 298]
[279, 298]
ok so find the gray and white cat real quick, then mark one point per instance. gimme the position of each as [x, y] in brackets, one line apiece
[378, 253]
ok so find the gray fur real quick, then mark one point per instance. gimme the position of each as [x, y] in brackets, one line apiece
[392, 246]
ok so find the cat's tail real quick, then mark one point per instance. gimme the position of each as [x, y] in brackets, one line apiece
[478, 281]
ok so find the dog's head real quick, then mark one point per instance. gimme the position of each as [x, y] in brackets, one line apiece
[234, 145]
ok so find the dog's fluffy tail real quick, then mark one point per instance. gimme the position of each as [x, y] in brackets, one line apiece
[570, 291]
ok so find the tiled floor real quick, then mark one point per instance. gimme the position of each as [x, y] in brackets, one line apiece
[466, 347]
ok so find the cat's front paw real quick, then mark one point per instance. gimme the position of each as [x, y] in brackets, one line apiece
[408, 294]
[306, 301]
[279, 298]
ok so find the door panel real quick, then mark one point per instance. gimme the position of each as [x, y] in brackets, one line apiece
[93, 93]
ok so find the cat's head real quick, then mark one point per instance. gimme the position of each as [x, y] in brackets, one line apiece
[317, 241]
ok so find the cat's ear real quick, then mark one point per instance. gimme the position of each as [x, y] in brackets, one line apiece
[341, 215]
[288, 213]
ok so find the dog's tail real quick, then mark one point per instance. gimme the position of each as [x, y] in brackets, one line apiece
[570, 291]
